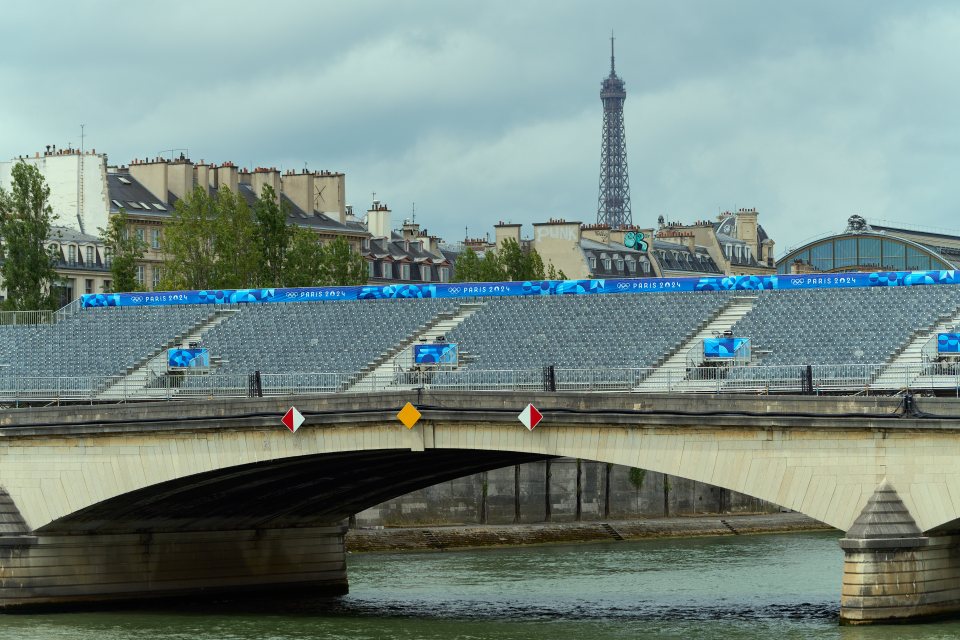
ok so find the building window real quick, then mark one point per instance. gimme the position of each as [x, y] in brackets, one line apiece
[139, 274]
[140, 234]
[107, 286]
[425, 273]
[107, 256]
[593, 262]
[72, 254]
[370, 266]
[89, 258]
[155, 238]
[88, 285]
[444, 274]
[157, 276]
[405, 272]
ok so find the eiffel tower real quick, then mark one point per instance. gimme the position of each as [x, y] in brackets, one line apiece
[614, 202]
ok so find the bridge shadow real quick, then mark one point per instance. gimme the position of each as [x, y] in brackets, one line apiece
[300, 491]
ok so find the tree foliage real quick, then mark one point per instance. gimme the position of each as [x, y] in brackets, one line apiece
[304, 264]
[237, 258]
[188, 243]
[125, 251]
[343, 266]
[511, 262]
[218, 242]
[25, 223]
[274, 236]
[313, 264]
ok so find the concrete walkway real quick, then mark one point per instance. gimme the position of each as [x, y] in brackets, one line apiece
[438, 538]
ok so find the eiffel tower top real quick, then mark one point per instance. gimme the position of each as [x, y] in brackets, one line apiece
[612, 86]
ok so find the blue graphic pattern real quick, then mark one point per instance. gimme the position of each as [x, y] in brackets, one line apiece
[441, 352]
[187, 358]
[722, 348]
[528, 288]
[948, 343]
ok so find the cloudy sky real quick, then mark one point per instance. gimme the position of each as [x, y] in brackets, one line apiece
[487, 111]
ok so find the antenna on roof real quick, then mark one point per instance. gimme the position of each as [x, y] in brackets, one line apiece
[413, 211]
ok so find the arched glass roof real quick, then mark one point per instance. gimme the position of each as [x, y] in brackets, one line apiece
[864, 252]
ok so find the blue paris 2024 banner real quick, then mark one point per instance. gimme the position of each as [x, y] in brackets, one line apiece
[529, 288]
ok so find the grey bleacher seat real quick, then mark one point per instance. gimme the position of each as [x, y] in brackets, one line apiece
[95, 342]
[842, 326]
[617, 330]
[337, 337]
[820, 327]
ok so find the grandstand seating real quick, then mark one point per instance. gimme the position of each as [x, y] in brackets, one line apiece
[623, 330]
[834, 326]
[830, 326]
[97, 342]
[337, 337]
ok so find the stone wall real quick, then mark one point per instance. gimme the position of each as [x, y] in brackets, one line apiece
[519, 494]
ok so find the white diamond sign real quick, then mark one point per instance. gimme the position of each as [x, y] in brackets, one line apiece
[292, 419]
[530, 417]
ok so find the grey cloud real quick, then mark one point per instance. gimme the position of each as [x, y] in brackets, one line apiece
[489, 111]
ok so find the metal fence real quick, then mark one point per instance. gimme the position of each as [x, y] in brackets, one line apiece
[8, 318]
[943, 378]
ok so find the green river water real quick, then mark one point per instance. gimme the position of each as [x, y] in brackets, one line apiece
[749, 587]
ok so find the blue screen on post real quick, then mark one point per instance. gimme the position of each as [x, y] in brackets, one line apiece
[187, 358]
[722, 348]
[948, 343]
[438, 353]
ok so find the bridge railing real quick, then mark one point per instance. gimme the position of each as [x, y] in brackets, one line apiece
[943, 377]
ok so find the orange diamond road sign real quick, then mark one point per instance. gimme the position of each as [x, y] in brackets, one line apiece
[408, 415]
[292, 419]
[530, 417]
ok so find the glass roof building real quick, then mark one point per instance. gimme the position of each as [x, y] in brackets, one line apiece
[865, 247]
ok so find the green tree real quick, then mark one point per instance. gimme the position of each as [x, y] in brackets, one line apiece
[310, 263]
[188, 243]
[554, 274]
[125, 250]
[343, 266]
[466, 268]
[25, 223]
[304, 265]
[511, 262]
[274, 236]
[518, 264]
[236, 252]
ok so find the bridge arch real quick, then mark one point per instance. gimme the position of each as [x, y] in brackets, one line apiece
[823, 466]
[172, 498]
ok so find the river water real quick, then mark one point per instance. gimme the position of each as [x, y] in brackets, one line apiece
[740, 587]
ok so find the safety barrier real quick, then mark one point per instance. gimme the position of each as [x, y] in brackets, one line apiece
[943, 378]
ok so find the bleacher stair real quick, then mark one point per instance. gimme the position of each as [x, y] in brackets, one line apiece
[672, 374]
[905, 369]
[381, 371]
[139, 378]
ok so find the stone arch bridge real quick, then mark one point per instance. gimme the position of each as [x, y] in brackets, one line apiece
[114, 502]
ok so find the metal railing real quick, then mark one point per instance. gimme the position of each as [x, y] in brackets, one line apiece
[8, 318]
[820, 379]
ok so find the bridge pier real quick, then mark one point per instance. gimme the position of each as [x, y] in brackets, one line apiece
[894, 573]
[51, 571]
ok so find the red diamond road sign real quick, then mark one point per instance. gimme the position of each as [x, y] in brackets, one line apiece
[530, 417]
[292, 419]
